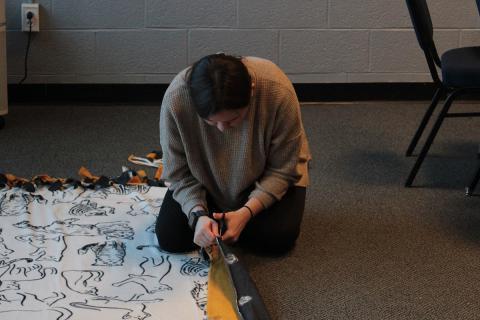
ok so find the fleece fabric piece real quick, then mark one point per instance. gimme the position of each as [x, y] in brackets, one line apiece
[76, 253]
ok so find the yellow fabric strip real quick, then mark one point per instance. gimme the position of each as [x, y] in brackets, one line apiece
[221, 296]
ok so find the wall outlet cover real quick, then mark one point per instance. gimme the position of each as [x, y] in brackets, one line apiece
[33, 8]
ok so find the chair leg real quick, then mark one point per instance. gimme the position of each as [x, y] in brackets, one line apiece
[431, 137]
[471, 187]
[436, 97]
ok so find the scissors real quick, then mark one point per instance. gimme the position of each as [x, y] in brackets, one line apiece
[222, 227]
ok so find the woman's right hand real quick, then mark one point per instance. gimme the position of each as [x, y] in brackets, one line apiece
[206, 231]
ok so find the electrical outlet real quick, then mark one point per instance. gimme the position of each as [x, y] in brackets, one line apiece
[33, 8]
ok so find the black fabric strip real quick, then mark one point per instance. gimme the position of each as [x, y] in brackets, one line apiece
[250, 303]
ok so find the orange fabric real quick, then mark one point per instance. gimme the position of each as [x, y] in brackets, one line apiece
[158, 173]
[47, 179]
[13, 180]
[142, 174]
[152, 156]
[221, 296]
[84, 173]
[135, 180]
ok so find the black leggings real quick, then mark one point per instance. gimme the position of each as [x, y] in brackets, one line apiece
[272, 231]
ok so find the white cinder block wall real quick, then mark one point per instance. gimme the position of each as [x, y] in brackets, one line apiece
[149, 41]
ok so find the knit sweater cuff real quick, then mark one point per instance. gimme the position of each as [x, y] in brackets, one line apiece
[265, 198]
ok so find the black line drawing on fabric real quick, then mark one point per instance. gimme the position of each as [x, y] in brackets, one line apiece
[199, 294]
[26, 302]
[46, 251]
[15, 202]
[145, 206]
[55, 313]
[151, 228]
[135, 312]
[109, 253]
[16, 302]
[114, 229]
[6, 263]
[83, 281]
[9, 285]
[150, 279]
[17, 274]
[23, 269]
[67, 195]
[4, 251]
[90, 282]
[103, 193]
[18, 305]
[141, 247]
[195, 266]
[89, 208]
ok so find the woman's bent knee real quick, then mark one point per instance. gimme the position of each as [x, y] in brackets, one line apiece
[174, 247]
[172, 239]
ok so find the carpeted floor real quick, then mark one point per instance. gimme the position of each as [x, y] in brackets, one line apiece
[369, 248]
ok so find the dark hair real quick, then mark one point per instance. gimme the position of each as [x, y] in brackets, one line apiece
[219, 82]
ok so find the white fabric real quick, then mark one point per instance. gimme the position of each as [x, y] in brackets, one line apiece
[156, 163]
[85, 254]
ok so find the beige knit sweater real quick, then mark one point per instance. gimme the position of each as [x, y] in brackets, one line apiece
[262, 157]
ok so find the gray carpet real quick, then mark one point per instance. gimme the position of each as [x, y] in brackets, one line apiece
[369, 248]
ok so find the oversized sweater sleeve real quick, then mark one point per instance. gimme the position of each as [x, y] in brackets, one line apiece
[283, 151]
[187, 191]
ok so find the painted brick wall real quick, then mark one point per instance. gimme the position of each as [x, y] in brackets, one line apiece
[149, 41]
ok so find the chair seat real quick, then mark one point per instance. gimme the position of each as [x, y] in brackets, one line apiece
[461, 67]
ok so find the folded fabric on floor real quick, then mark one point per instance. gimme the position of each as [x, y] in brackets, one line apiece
[72, 249]
[153, 159]
[87, 250]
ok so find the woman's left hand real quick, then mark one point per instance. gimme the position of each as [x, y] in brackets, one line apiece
[236, 222]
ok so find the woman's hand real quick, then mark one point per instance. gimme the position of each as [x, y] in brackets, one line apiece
[236, 222]
[205, 232]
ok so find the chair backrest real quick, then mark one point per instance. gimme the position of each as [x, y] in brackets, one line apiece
[422, 23]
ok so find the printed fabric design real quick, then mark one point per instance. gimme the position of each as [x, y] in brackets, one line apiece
[68, 252]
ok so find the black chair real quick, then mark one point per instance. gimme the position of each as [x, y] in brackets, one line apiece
[460, 69]
[473, 184]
